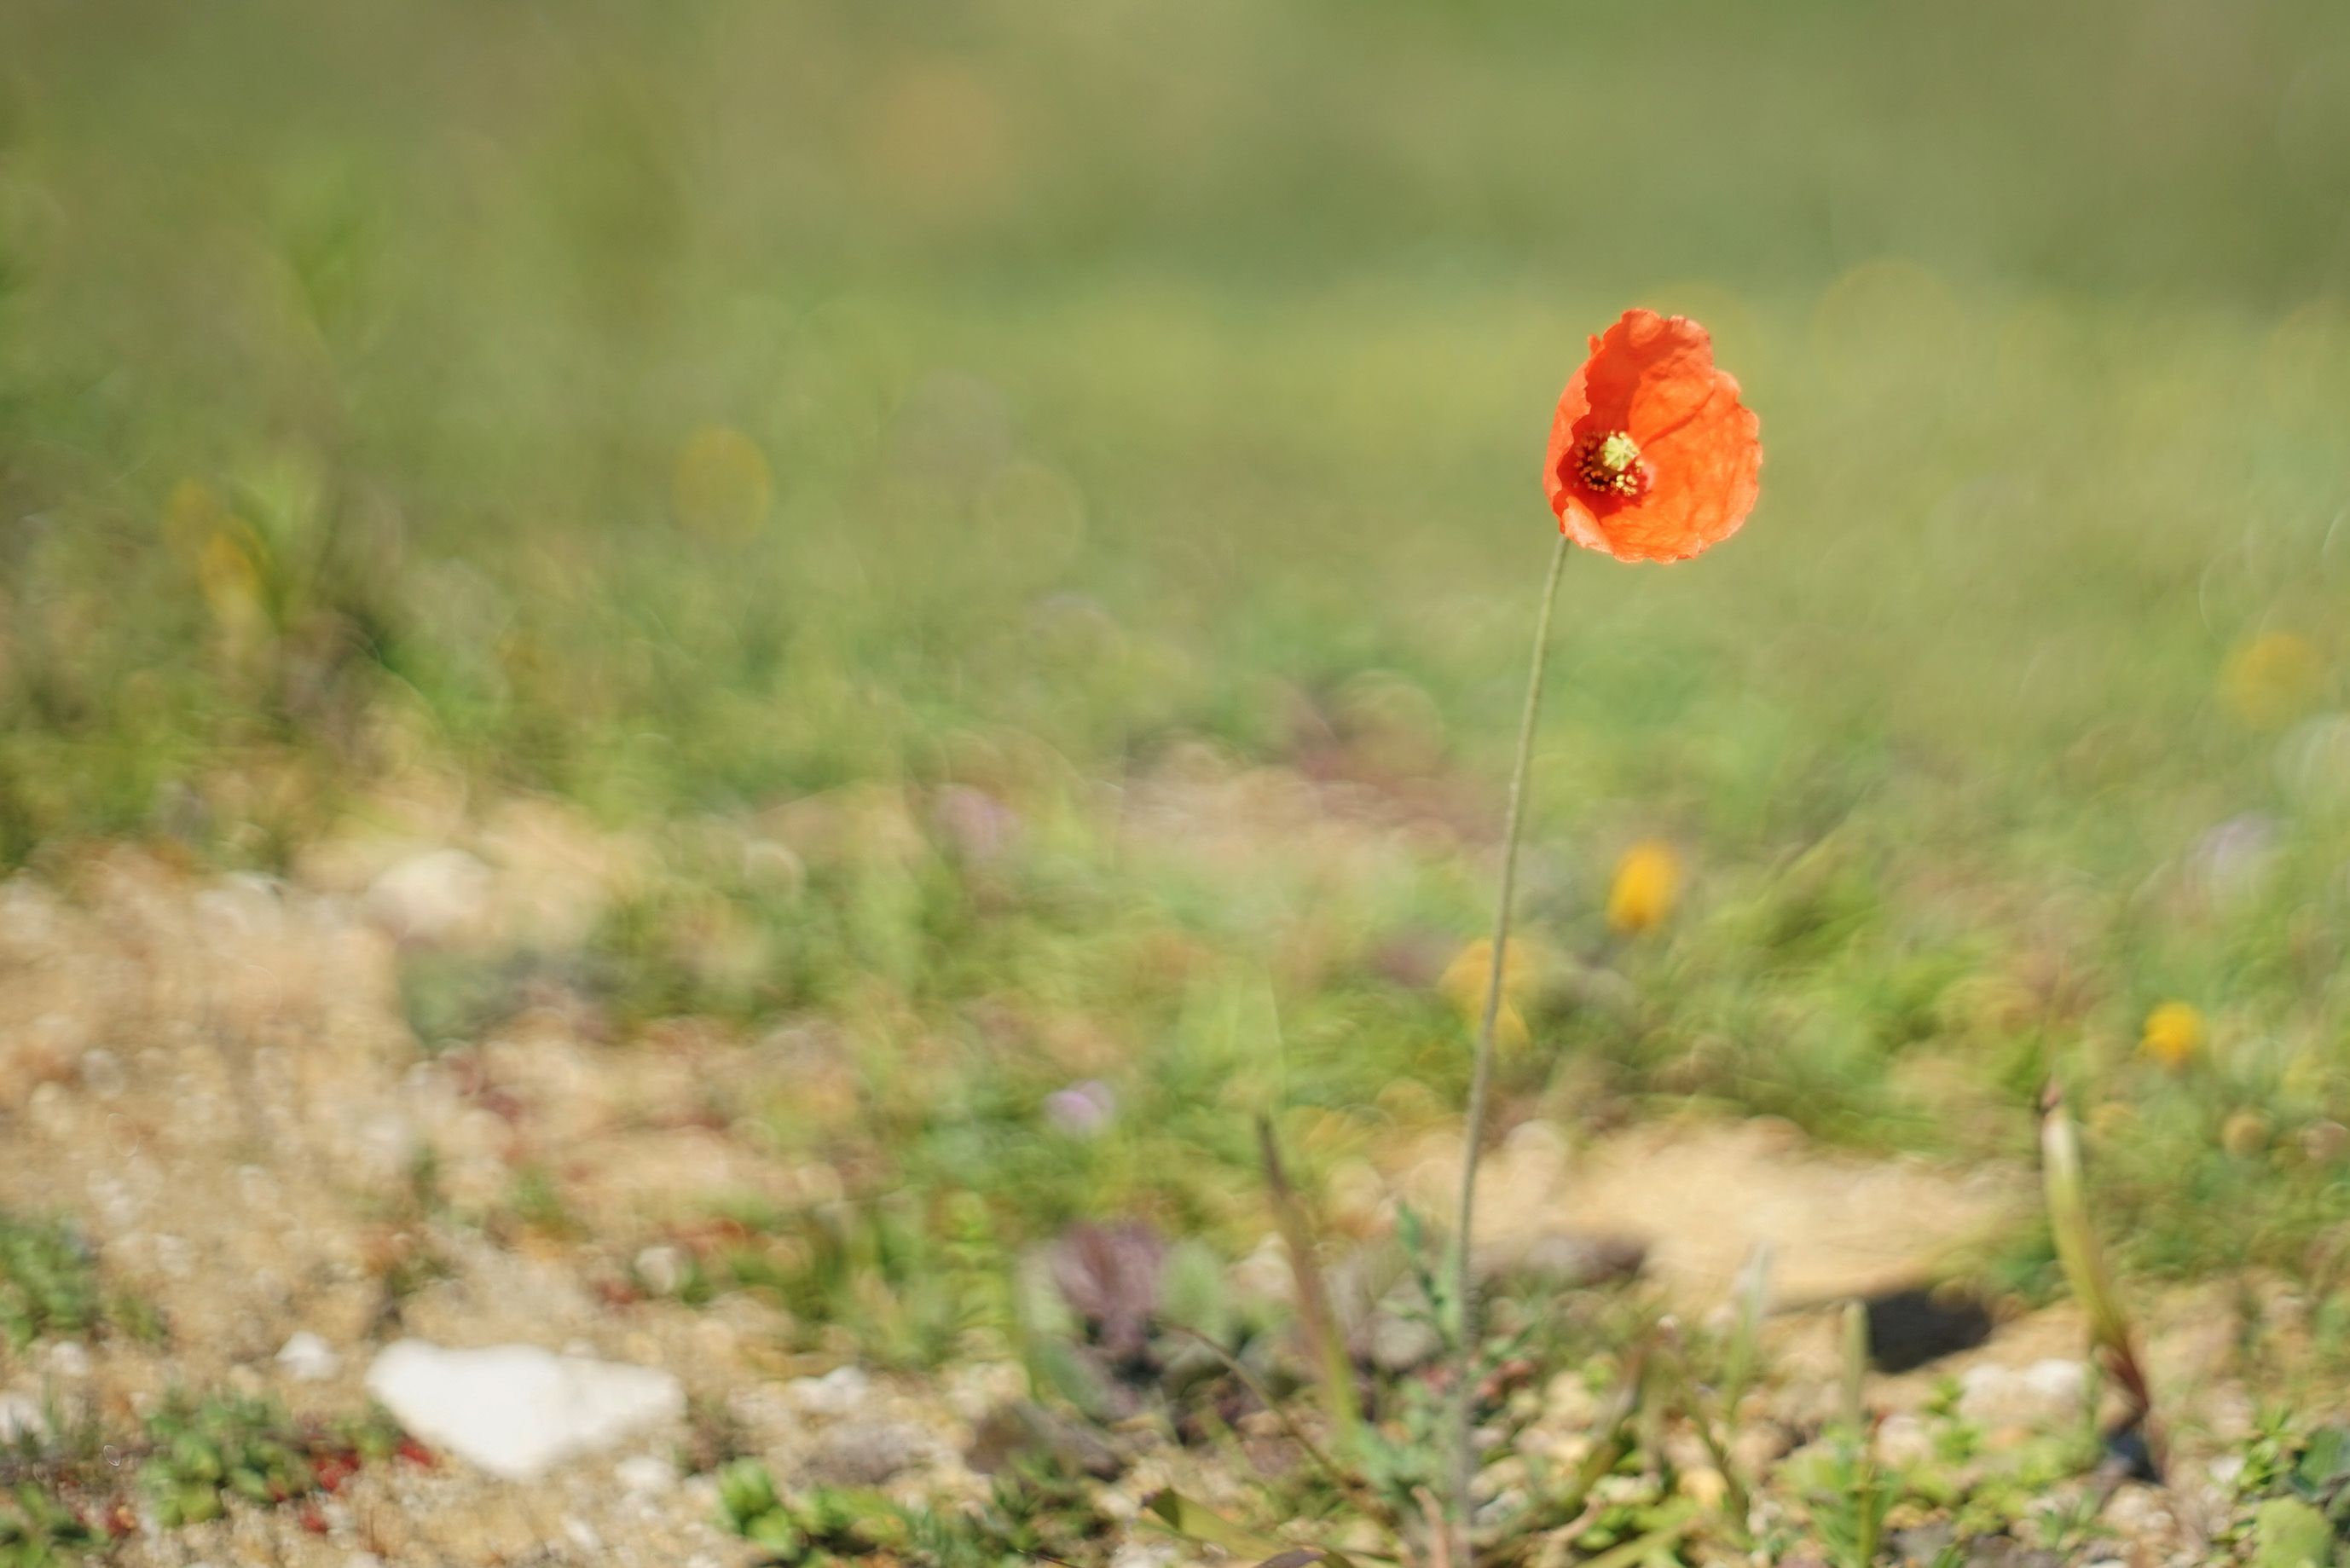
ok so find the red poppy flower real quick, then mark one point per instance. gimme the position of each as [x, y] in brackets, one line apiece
[1652, 456]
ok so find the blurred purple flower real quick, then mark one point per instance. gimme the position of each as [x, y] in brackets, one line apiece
[1082, 1110]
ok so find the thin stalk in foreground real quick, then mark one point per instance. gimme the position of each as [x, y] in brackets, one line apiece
[1482, 1075]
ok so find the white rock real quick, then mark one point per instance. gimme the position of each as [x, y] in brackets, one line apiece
[438, 896]
[306, 1358]
[515, 1410]
[1903, 1440]
[69, 1358]
[21, 1419]
[645, 1475]
[837, 1393]
[2046, 1392]
[1145, 1554]
[662, 1269]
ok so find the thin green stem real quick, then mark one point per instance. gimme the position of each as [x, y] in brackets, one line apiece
[1481, 1077]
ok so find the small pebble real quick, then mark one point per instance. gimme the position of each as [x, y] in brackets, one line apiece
[2045, 1393]
[102, 1075]
[306, 1358]
[837, 1393]
[663, 1270]
[21, 1419]
[1903, 1440]
[867, 1453]
[1704, 1486]
[645, 1475]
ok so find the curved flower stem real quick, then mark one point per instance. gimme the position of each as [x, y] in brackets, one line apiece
[1481, 1075]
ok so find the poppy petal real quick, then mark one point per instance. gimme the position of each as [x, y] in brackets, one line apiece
[1649, 372]
[1708, 473]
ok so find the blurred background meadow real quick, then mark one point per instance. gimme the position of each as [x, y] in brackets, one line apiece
[1001, 538]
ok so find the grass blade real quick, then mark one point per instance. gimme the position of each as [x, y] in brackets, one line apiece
[1323, 1341]
[1195, 1521]
[2110, 1336]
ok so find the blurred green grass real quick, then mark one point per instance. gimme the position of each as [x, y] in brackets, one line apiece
[685, 409]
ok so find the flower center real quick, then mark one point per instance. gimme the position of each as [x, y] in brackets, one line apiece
[1609, 463]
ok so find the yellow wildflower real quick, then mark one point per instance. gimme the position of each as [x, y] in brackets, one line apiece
[1467, 976]
[2174, 1033]
[1647, 880]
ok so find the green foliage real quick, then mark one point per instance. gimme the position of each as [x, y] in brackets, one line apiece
[1851, 1497]
[902, 1283]
[48, 1281]
[1033, 1512]
[2290, 1534]
[2300, 1481]
[207, 1450]
[821, 1526]
[535, 1202]
[38, 1532]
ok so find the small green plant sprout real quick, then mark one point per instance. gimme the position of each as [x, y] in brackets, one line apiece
[824, 1525]
[1195, 1523]
[748, 1505]
[2300, 1481]
[1850, 1510]
[48, 1281]
[37, 1530]
[2133, 1438]
[1713, 1412]
[1339, 1399]
[1034, 1512]
[902, 1284]
[208, 1450]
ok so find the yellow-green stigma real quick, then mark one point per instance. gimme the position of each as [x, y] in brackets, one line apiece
[1609, 465]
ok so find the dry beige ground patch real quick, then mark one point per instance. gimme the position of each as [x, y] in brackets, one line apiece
[212, 1076]
[1701, 1195]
